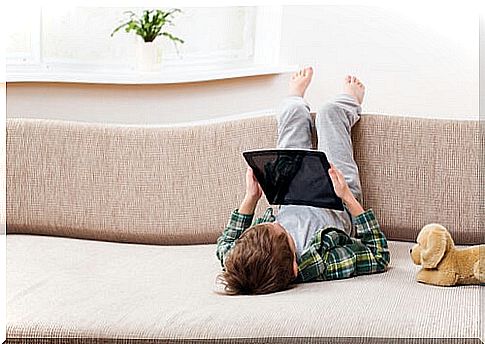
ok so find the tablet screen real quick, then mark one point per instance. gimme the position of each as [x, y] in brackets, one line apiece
[294, 176]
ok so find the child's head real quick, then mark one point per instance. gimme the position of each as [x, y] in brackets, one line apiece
[262, 261]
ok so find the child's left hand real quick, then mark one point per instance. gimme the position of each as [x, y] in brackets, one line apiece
[253, 189]
[339, 184]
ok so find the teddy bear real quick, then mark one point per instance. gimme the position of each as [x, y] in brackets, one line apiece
[442, 263]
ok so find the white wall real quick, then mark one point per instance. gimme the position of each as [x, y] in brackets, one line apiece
[413, 63]
[148, 104]
[424, 65]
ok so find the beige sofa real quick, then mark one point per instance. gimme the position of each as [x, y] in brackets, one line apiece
[111, 234]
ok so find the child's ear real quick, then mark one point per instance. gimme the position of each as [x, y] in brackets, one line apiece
[435, 248]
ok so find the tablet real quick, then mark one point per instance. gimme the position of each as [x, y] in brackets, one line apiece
[294, 176]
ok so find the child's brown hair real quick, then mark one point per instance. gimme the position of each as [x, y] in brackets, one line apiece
[260, 262]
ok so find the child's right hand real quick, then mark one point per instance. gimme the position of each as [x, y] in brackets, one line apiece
[253, 189]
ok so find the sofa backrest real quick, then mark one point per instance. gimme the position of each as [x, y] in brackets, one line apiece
[178, 185]
[416, 171]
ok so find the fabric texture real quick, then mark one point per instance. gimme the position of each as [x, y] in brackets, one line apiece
[332, 126]
[302, 222]
[128, 183]
[332, 253]
[334, 123]
[64, 287]
[144, 184]
[416, 171]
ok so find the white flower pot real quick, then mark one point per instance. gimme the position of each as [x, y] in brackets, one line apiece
[148, 56]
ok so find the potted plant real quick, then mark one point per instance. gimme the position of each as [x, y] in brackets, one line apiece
[149, 26]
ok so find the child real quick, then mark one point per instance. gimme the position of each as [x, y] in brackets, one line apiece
[304, 243]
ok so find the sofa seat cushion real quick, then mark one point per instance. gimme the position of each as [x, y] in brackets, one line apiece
[65, 287]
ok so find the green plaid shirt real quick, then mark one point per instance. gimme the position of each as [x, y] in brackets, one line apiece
[332, 254]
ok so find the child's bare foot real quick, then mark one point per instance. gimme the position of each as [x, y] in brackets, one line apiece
[299, 82]
[354, 87]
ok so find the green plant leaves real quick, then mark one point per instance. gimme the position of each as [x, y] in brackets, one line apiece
[149, 25]
[173, 38]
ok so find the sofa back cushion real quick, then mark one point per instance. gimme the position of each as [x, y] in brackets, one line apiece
[178, 185]
[145, 184]
[416, 171]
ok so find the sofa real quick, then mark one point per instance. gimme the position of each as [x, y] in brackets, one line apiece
[111, 233]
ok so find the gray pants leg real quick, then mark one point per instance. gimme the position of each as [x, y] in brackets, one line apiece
[333, 124]
[294, 124]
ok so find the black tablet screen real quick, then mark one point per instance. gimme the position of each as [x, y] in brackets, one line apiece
[294, 176]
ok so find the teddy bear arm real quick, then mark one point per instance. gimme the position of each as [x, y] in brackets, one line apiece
[436, 277]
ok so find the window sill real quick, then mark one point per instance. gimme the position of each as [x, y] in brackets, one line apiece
[171, 75]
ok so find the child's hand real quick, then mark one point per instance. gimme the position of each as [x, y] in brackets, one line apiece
[339, 184]
[253, 189]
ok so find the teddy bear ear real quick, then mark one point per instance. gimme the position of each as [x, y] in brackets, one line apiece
[435, 249]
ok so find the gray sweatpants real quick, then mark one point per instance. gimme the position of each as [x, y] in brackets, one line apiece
[333, 125]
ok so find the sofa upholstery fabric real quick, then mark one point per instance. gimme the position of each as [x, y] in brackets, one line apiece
[63, 287]
[178, 185]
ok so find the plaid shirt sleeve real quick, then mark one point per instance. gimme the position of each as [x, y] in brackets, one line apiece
[311, 266]
[372, 253]
[365, 255]
[266, 217]
[237, 224]
[334, 255]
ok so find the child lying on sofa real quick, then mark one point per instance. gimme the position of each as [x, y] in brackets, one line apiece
[304, 243]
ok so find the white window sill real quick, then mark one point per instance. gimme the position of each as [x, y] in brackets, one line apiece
[170, 75]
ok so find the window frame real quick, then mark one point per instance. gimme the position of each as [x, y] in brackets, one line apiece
[264, 47]
[33, 59]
